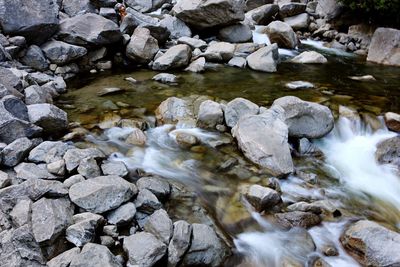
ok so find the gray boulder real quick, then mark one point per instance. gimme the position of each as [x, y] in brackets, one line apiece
[16, 151]
[173, 110]
[264, 140]
[21, 213]
[192, 42]
[238, 108]
[145, 6]
[291, 9]
[48, 151]
[239, 33]
[61, 53]
[298, 22]
[158, 186]
[384, 47]
[165, 78]
[35, 20]
[197, 66]
[219, 52]
[50, 217]
[142, 47]
[83, 229]
[282, 34]
[305, 119]
[114, 168]
[78, 7]
[297, 219]
[388, 151]
[89, 29]
[175, 57]
[122, 215]
[35, 58]
[160, 225]
[49, 117]
[144, 249]
[238, 62]
[147, 202]
[309, 57]
[262, 198]
[206, 248]
[329, 9]
[176, 27]
[26, 170]
[210, 114]
[74, 156]
[95, 255]
[88, 168]
[102, 193]
[263, 15]
[64, 259]
[372, 244]
[203, 14]
[35, 94]
[264, 59]
[179, 243]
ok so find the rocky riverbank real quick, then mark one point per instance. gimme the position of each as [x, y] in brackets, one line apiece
[64, 205]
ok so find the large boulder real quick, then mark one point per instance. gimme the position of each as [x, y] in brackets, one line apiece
[263, 15]
[291, 9]
[89, 29]
[264, 59]
[35, 58]
[177, 27]
[49, 117]
[388, 151]
[237, 108]
[142, 47]
[203, 14]
[305, 119]
[219, 52]
[210, 114]
[95, 255]
[176, 57]
[282, 34]
[75, 7]
[329, 9]
[310, 57]
[264, 140]
[298, 22]
[385, 47]
[35, 20]
[372, 244]
[239, 33]
[173, 110]
[14, 120]
[160, 225]
[61, 53]
[262, 198]
[206, 249]
[102, 193]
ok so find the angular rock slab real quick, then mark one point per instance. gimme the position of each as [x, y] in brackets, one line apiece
[95, 255]
[49, 117]
[102, 193]
[385, 47]
[264, 59]
[176, 57]
[160, 225]
[179, 243]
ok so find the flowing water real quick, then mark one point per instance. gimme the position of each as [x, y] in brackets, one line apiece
[349, 181]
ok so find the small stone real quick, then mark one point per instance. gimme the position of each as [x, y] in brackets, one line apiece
[165, 78]
[84, 228]
[88, 168]
[16, 151]
[111, 230]
[262, 198]
[73, 180]
[136, 137]
[158, 186]
[57, 167]
[114, 168]
[122, 215]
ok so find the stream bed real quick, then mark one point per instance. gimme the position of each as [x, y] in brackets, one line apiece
[347, 181]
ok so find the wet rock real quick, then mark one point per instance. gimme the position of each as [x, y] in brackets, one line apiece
[388, 151]
[147, 202]
[160, 225]
[262, 198]
[392, 121]
[263, 139]
[158, 186]
[18, 248]
[110, 91]
[298, 22]
[172, 110]
[64, 259]
[309, 57]
[206, 14]
[88, 168]
[282, 34]
[35, 94]
[210, 114]
[315, 260]
[238, 62]
[299, 85]
[306, 207]
[102, 193]
[179, 243]
[61, 53]
[305, 119]
[27, 171]
[136, 137]
[50, 217]
[292, 9]
[114, 168]
[263, 15]
[83, 229]
[297, 219]
[193, 42]
[14, 120]
[219, 52]
[177, 56]
[74, 156]
[21, 213]
[176, 27]
[206, 247]
[42, 23]
[239, 33]
[95, 255]
[142, 47]
[264, 59]
[165, 78]
[49, 117]
[198, 65]
[372, 244]
[35, 58]
[144, 249]
[237, 108]
[48, 151]
[146, 5]
[15, 152]
[107, 241]
[363, 78]
[89, 29]
[122, 215]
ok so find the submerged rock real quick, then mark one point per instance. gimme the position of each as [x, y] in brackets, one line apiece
[309, 57]
[388, 151]
[372, 244]
[262, 198]
[297, 219]
[166, 78]
[172, 110]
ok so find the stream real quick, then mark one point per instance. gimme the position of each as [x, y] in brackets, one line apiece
[348, 181]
